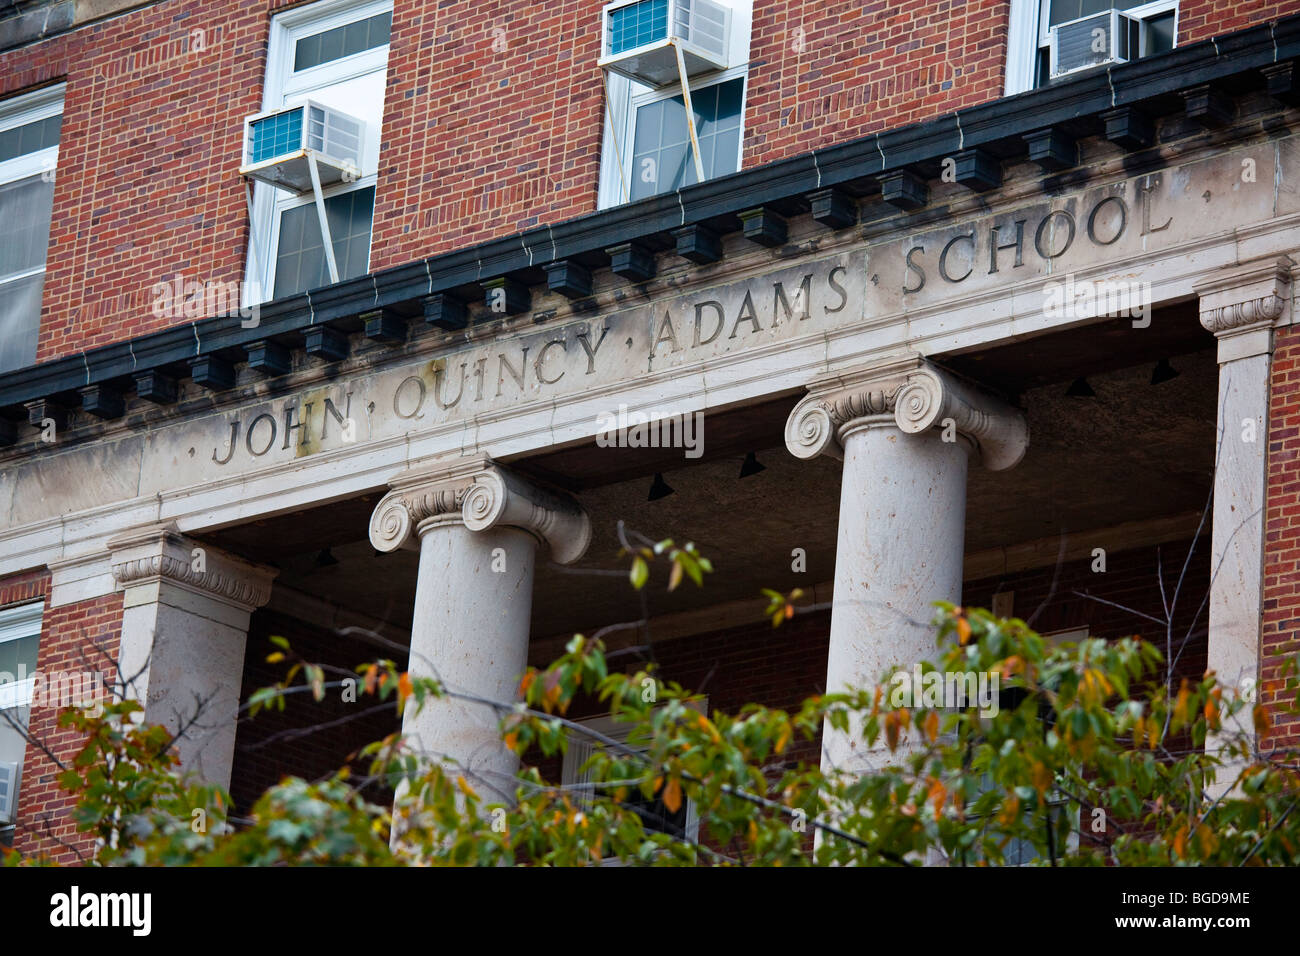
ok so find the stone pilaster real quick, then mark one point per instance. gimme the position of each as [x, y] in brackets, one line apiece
[905, 431]
[478, 527]
[185, 613]
[1241, 306]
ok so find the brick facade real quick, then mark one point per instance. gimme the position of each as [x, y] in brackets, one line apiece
[478, 142]
[74, 637]
[1282, 541]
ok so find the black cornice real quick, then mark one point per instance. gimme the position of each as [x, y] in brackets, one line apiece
[1231, 63]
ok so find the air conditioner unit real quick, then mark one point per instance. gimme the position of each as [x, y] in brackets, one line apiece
[8, 791]
[639, 36]
[1096, 40]
[277, 145]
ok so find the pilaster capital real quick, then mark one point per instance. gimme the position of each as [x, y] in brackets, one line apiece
[159, 553]
[483, 495]
[913, 395]
[1247, 297]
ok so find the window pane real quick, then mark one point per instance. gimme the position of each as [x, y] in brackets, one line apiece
[300, 260]
[25, 208]
[662, 160]
[30, 138]
[342, 41]
[20, 320]
[1063, 11]
[1160, 33]
[19, 653]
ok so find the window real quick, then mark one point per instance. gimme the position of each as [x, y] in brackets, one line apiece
[1029, 46]
[655, 816]
[647, 145]
[661, 148]
[29, 152]
[334, 53]
[20, 633]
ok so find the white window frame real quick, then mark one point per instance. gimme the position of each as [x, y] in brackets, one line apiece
[16, 623]
[1028, 33]
[19, 111]
[282, 88]
[581, 748]
[626, 95]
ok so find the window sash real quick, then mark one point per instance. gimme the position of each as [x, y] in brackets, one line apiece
[626, 99]
[23, 111]
[284, 86]
[1139, 11]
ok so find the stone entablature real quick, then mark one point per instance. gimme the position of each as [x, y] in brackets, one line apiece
[712, 337]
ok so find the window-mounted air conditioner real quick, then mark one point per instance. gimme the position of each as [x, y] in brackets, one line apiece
[1096, 40]
[638, 38]
[8, 791]
[277, 146]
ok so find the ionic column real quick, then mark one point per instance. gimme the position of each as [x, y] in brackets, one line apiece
[185, 613]
[904, 431]
[1241, 306]
[477, 527]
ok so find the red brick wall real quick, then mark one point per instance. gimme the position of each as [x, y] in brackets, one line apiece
[1282, 539]
[823, 73]
[74, 637]
[1202, 19]
[479, 143]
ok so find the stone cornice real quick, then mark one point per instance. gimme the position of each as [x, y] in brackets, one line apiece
[1246, 297]
[159, 552]
[483, 495]
[913, 395]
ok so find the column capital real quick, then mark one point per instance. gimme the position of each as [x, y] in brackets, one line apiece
[915, 396]
[159, 553]
[1247, 297]
[482, 495]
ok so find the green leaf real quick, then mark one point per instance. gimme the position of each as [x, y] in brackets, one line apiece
[640, 572]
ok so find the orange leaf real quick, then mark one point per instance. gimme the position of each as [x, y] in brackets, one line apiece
[963, 630]
[783, 738]
[1180, 842]
[891, 729]
[932, 725]
[1262, 722]
[673, 795]
[526, 682]
[371, 672]
[1010, 810]
[404, 686]
[465, 788]
[938, 793]
[1042, 778]
[512, 740]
